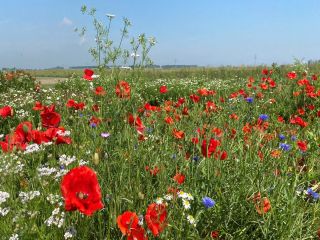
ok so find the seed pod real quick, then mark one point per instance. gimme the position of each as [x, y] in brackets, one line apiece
[96, 158]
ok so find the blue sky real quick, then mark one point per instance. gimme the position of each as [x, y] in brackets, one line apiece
[39, 33]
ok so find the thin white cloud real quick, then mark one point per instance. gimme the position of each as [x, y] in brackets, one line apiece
[82, 40]
[66, 22]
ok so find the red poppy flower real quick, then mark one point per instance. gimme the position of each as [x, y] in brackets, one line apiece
[100, 91]
[73, 104]
[263, 206]
[24, 130]
[181, 100]
[38, 137]
[149, 107]
[179, 178]
[223, 155]
[264, 86]
[6, 111]
[163, 89]
[185, 111]
[211, 148]
[211, 106]
[95, 108]
[88, 74]
[49, 117]
[281, 119]
[38, 106]
[195, 98]
[19, 138]
[127, 221]
[303, 82]
[95, 121]
[302, 145]
[137, 234]
[314, 77]
[136, 122]
[311, 107]
[203, 92]
[265, 71]
[123, 90]
[154, 171]
[195, 140]
[81, 191]
[155, 217]
[217, 131]
[63, 140]
[169, 120]
[292, 75]
[178, 134]
[298, 121]
[214, 234]
[233, 116]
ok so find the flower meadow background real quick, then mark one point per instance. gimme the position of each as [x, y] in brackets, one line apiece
[155, 158]
[141, 153]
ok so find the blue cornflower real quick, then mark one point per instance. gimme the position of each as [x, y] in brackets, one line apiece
[263, 117]
[293, 138]
[208, 202]
[284, 146]
[282, 137]
[249, 99]
[93, 125]
[313, 194]
[196, 158]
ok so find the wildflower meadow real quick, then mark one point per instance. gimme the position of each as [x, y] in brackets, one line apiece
[125, 154]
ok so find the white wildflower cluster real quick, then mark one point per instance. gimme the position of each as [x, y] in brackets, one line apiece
[28, 196]
[186, 204]
[159, 200]
[4, 211]
[47, 143]
[10, 164]
[14, 237]
[33, 148]
[60, 174]
[18, 167]
[185, 195]
[56, 218]
[3, 197]
[1, 136]
[21, 113]
[192, 220]
[55, 199]
[70, 233]
[83, 162]
[168, 197]
[46, 171]
[186, 198]
[66, 160]
[63, 133]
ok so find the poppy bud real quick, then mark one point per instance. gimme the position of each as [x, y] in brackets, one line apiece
[96, 158]
[141, 195]
[25, 128]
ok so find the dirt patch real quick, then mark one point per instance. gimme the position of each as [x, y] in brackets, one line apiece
[49, 80]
